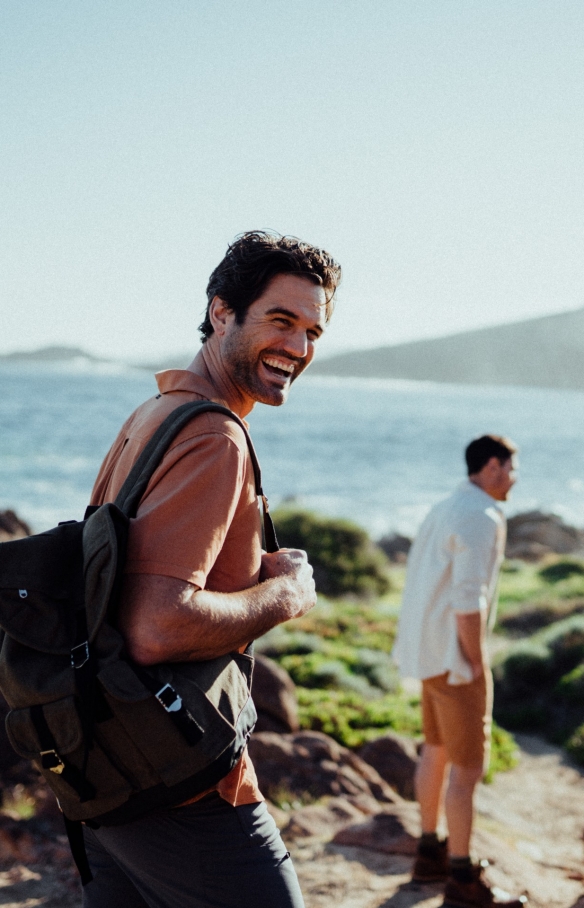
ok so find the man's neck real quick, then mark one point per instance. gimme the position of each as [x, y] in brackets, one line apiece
[208, 364]
[477, 482]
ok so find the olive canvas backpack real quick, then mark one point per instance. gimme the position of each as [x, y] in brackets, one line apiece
[114, 740]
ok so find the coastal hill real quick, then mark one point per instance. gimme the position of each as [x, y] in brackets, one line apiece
[47, 355]
[545, 352]
[61, 355]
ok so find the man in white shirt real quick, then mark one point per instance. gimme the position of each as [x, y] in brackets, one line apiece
[448, 602]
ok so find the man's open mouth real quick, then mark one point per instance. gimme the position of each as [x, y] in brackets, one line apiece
[280, 368]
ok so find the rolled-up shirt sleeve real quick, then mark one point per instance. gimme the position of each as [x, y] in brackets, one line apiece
[474, 557]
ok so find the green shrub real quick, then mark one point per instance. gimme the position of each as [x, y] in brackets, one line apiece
[539, 684]
[344, 558]
[543, 659]
[561, 570]
[504, 753]
[316, 670]
[284, 640]
[575, 745]
[526, 666]
[571, 686]
[351, 719]
[565, 641]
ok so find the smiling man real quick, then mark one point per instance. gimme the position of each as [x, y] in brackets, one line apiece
[197, 584]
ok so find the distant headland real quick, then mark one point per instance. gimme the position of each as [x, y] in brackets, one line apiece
[545, 352]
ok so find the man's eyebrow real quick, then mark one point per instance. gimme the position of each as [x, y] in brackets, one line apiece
[280, 310]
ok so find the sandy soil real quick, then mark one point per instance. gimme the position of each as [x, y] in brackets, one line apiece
[530, 824]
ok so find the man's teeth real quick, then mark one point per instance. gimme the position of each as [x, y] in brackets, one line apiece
[278, 364]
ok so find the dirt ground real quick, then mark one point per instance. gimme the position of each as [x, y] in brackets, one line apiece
[530, 824]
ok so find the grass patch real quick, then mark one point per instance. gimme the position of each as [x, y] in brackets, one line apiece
[352, 720]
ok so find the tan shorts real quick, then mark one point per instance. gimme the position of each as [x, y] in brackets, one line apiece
[458, 718]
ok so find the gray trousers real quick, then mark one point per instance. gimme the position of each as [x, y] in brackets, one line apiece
[205, 855]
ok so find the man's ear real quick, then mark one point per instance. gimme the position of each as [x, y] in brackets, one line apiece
[220, 315]
[493, 465]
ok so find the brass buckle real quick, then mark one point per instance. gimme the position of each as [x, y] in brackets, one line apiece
[58, 765]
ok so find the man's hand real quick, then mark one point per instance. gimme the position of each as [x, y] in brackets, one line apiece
[292, 563]
[471, 630]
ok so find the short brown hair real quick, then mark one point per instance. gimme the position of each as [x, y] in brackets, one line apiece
[251, 262]
[480, 451]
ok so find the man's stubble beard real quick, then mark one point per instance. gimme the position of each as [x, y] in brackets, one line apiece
[244, 365]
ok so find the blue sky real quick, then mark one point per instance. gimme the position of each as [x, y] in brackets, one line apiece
[434, 147]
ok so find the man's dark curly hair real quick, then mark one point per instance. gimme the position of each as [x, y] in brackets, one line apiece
[251, 262]
[480, 451]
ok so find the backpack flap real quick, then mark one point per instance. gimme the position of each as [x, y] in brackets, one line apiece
[41, 586]
[86, 783]
[63, 722]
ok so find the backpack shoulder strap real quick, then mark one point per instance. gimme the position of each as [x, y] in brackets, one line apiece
[133, 489]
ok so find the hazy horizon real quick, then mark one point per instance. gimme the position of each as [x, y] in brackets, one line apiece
[132, 360]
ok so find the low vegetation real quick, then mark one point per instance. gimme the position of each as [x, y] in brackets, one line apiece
[344, 558]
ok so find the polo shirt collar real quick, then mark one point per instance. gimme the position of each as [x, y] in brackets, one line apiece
[184, 380]
[471, 487]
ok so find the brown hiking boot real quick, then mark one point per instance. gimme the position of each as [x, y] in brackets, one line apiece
[477, 894]
[431, 864]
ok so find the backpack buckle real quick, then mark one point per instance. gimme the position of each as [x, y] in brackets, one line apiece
[80, 655]
[168, 697]
[51, 760]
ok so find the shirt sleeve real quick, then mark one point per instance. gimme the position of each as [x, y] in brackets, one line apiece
[187, 510]
[474, 559]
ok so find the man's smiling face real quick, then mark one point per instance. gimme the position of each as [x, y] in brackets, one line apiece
[276, 342]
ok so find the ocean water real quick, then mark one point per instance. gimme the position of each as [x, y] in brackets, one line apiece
[381, 452]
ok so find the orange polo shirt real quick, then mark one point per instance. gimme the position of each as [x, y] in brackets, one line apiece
[199, 518]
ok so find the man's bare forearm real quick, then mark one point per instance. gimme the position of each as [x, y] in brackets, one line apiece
[168, 620]
[471, 629]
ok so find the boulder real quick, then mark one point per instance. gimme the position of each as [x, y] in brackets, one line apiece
[395, 758]
[396, 547]
[322, 820]
[533, 535]
[12, 527]
[309, 765]
[393, 831]
[274, 696]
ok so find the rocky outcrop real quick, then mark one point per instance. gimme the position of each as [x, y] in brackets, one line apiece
[396, 547]
[395, 758]
[309, 765]
[324, 819]
[393, 831]
[274, 696]
[532, 535]
[12, 527]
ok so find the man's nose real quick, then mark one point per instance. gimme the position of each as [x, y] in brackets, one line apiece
[296, 344]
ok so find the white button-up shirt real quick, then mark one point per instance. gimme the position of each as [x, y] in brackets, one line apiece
[453, 568]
